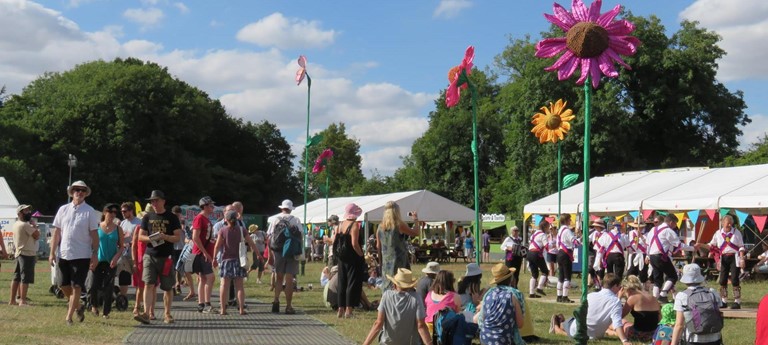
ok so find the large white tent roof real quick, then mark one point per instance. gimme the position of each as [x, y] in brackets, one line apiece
[679, 189]
[429, 206]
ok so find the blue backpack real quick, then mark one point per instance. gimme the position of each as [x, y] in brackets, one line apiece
[449, 328]
[286, 238]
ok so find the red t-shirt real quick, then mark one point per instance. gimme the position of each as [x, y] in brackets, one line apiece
[761, 325]
[202, 224]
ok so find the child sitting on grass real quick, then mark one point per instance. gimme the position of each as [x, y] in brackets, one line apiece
[663, 333]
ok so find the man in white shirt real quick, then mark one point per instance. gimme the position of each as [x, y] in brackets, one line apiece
[565, 243]
[614, 243]
[76, 237]
[662, 242]
[604, 311]
[636, 250]
[596, 256]
[125, 264]
[285, 268]
[730, 243]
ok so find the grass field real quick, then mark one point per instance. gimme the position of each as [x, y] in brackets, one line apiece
[44, 322]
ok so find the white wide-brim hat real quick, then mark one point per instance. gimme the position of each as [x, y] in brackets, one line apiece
[432, 267]
[692, 274]
[79, 184]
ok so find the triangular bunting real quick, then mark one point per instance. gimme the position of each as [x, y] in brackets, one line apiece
[680, 217]
[647, 214]
[536, 219]
[593, 217]
[693, 216]
[634, 215]
[711, 214]
[526, 216]
[724, 211]
[742, 217]
[620, 218]
[760, 220]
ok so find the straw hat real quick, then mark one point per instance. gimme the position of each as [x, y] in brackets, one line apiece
[403, 279]
[253, 228]
[79, 184]
[599, 223]
[692, 274]
[501, 272]
[432, 268]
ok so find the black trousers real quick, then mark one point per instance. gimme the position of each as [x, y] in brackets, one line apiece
[662, 267]
[728, 267]
[350, 282]
[615, 264]
[103, 286]
[535, 263]
[565, 266]
[516, 262]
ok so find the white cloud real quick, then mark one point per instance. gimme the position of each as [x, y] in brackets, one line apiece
[181, 7]
[254, 85]
[145, 17]
[753, 131]
[275, 30]
[741, 27]
[451, 8]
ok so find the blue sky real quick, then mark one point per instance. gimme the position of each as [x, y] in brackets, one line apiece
[376, 66]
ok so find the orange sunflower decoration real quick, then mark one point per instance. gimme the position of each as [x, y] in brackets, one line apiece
[553, 122]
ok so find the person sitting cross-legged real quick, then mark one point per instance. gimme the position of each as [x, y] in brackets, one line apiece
[401, 314]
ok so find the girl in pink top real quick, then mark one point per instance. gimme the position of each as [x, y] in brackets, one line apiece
[440, 296]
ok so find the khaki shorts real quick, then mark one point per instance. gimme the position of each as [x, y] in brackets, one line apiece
[158, 268]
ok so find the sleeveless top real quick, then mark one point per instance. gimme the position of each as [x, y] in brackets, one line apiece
[107, 244]
[645, 321]
[394, 253]
[498, 317]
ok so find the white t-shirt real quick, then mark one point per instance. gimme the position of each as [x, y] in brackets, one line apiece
[76, 223]
[604, 310]
[129, 226]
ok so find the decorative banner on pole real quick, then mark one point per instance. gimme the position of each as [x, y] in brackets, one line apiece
[724, 211]
[760, 221]
[742, 217]
[711, 214]
[137, 206]
[634, 215]
[680, 219]
[647, 214]
[694, 216]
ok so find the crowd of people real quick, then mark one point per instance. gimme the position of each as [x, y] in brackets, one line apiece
[156, 250]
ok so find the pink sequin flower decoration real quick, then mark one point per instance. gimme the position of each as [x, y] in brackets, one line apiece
[593, 42]
[322, 161]
[453, 94]
[302, 72]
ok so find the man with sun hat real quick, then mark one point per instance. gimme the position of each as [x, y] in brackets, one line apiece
[401, 313]
[76, 238]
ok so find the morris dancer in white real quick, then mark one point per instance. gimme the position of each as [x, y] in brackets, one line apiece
[536, 261]
[731, 245]
[565, 242]
[662, 242]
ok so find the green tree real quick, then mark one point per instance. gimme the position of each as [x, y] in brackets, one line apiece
[756, 154]
[345, 168]
[135, 128]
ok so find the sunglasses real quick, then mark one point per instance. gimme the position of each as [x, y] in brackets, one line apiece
[81, 190]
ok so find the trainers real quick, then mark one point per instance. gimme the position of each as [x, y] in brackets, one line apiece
[533, 295]
[541, 292]
[200, 307]
[276, 307]
[735, 305]
[143, 318]
[208, 309]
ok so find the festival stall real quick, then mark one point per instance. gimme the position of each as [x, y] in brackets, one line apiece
[8, 205]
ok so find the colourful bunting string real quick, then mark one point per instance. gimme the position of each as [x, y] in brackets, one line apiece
[711, 214]
[536, 219]
[742, 217]
[634, 214]
[760, 221]
[724, 211]
[647, 214]
[526, 216]
[680, 217]
[693, 216]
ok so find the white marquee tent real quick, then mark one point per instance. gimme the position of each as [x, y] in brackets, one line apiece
[429, 206]
[8, 204]
[744, 188]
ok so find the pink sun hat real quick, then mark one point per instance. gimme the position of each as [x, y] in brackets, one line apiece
[352, 211]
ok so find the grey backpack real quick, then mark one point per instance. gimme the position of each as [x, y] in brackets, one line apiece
[705, 312]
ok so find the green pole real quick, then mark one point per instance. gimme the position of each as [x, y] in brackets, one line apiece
[306, 177]
[327, 180]
[559, 179]
[582, 337]
[475, 164]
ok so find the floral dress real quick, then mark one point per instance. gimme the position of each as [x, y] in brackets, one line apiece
[497, 321]
[394, 253]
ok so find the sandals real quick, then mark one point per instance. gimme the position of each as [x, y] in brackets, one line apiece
[189, 297]
[289, 311]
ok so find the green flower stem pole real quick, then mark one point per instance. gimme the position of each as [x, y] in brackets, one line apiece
[306, 177]
[559, 179]
[581, 312]
[327, 181]
[475, 161]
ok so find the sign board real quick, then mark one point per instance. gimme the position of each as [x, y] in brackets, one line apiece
[494, 218]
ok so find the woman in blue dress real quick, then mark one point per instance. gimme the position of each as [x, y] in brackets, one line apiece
[501, 312]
